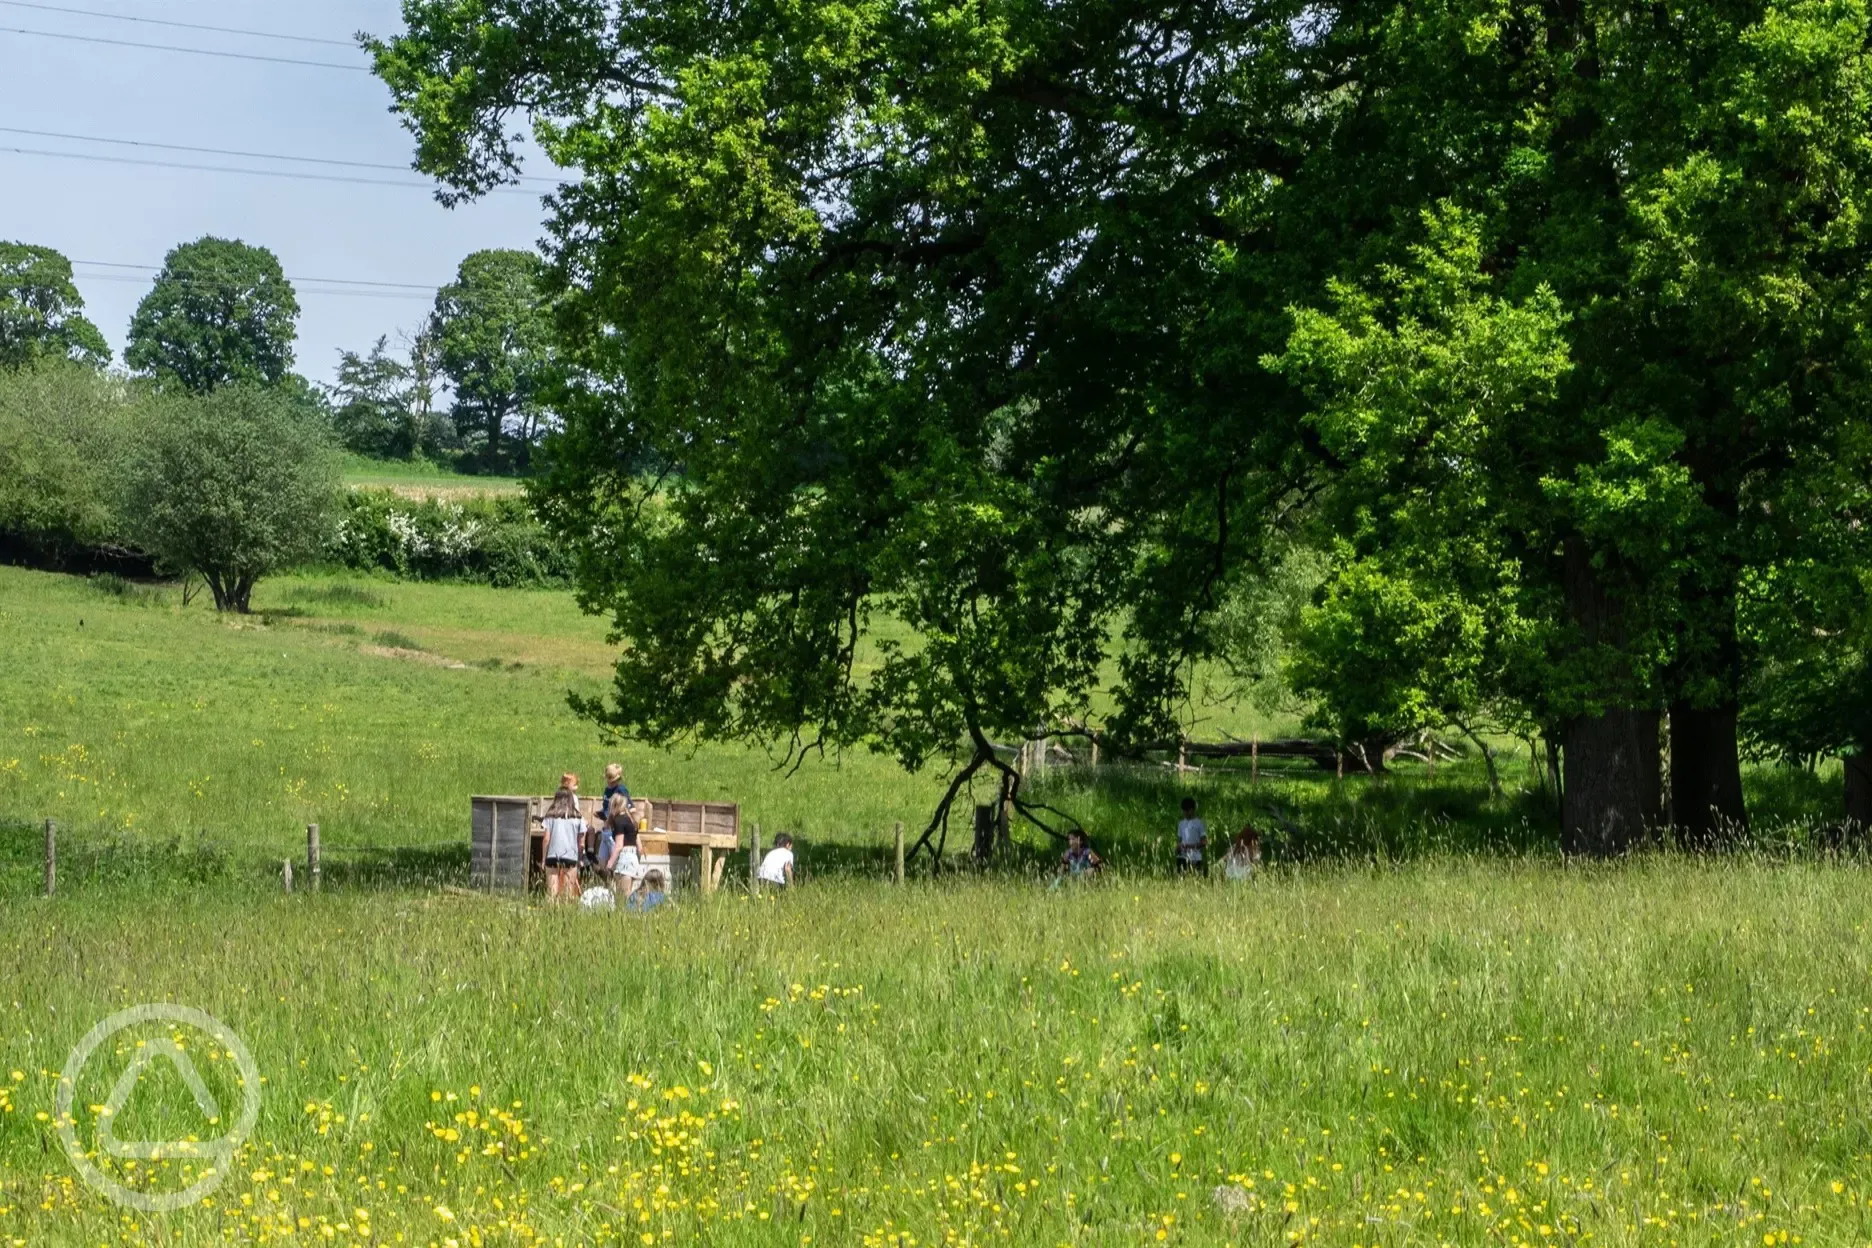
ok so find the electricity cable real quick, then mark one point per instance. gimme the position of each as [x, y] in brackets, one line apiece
[158, 21]
[263, 173]
[220, 151]
[172, 47]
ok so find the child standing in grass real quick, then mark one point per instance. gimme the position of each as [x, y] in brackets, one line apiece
[1192, 835]
[563, 823]
[616, 798]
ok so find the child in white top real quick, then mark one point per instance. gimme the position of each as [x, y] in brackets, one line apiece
[777, 866]
[625, 863]
[1192, 835]
[1244, 855]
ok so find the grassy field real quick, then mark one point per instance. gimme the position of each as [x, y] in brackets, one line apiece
[1663, 1053]
[421, 479]
[1419, 1026]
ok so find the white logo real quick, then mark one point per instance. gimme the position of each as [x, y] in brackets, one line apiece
[218, 1154]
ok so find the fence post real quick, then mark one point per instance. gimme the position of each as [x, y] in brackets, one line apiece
[51, 856]
[753, 864]
[286, 875]
[312, 854]
[897, 845]
[1254, 759]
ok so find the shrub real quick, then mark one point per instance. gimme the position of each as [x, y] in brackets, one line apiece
[231, 485]
[491, 540]
[62, 434]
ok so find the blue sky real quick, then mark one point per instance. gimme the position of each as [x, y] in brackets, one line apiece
[122, 214]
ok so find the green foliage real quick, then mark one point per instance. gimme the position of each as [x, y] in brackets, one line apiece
[63, 434]
[870, 316]
[221, 312]
[41, 310]
[492, 337]
[1022, 326]
[1381, 659]
[493, 539]
[231, 486]
[384, 406]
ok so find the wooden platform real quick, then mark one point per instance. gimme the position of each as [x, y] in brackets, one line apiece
[687, 841]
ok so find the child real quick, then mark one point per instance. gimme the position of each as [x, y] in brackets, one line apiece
[777, 866]
[616, 798]
[1244, 854]
[1192, 835]
[563, 825]
[651, 896]
[1080, 859]
[625, 862]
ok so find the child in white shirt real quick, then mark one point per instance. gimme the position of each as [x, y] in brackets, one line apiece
[777, 866]
[1192, 835]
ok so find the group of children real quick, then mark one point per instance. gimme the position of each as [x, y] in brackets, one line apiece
[604, 845]
[1192, 843]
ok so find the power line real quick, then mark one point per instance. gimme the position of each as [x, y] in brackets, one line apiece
[263, 173]
[219, 151]
[337, 281]
[157, 21]
[171, 47]
[297, 290]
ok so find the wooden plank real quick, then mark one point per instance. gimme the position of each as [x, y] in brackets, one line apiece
[706, 868]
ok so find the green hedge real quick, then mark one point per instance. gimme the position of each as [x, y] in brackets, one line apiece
[493, 540]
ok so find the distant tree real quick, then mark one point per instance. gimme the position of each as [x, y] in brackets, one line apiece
[493, 341]
[40, 310]
[63, 428]
[220, 312]
[385, 406]
[231, 486]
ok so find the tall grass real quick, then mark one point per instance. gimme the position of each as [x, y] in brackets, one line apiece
[1670, 1051]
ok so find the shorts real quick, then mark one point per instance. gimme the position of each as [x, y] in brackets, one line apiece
[562, 863]
[1197, 865]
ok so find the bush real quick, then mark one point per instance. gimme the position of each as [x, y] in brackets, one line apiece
[63, 431]
[490, 540]
[231, 485]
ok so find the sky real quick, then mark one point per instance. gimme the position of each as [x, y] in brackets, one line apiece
[107, 217]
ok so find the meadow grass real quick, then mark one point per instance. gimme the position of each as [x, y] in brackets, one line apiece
[1467, 1052]
[1420, 1026]
[421, 479]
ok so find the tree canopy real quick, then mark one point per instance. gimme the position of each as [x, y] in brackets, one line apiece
[220, 312]
[493, 339]
[230, 486]
[41, 311]
[1024, 325]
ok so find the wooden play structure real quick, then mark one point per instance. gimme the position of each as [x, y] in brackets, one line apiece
[688, 841]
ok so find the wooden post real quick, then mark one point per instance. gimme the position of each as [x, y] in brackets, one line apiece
[1338, 763]
[706, 877]
[51, 857]
[286, 875]
[312, 854]
[897, 847]
[1254, 759]
[1095, 749]
[1430, 752]
[753, 863]
[1182, 756]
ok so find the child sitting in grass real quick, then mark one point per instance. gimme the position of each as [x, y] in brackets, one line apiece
[1244, 854]
[653, 893]
[777, 867]
[1080, 860]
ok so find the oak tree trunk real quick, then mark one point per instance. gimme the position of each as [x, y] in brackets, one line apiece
[1859, 789]
[1706, 774]
[1611, 781]
[1611, 786]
